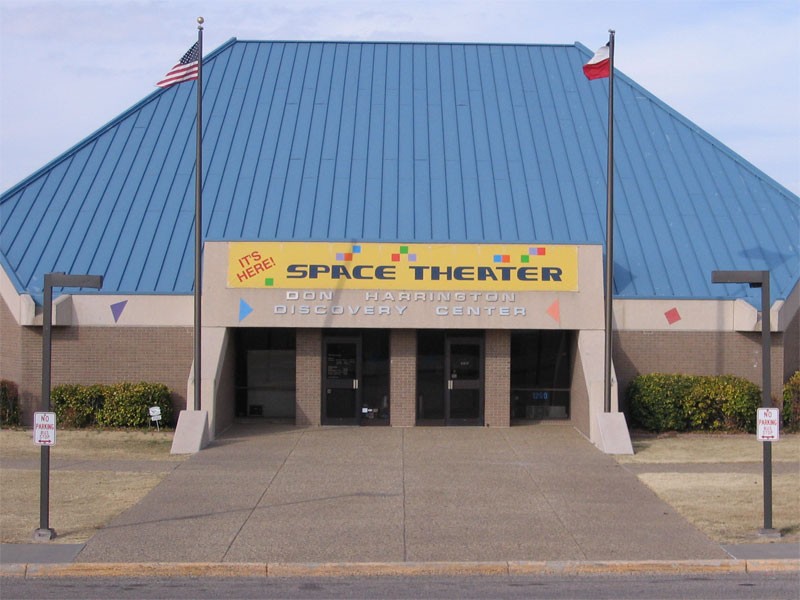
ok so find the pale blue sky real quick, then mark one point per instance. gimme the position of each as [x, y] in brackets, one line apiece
[731, 66]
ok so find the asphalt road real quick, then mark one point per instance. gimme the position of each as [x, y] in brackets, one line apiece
[729, 587]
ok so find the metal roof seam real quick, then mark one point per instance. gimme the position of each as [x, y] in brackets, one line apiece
[639, 201]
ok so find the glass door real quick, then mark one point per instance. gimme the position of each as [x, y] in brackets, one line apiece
[464, 373]
[341, 378]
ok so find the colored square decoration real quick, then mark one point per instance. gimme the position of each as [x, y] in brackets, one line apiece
[395, 257]
[356, 249]
[403, 249]
[269, 282]
[525, 258]
[672, 315]
[340, 256]
[412, 258]
[536, 251]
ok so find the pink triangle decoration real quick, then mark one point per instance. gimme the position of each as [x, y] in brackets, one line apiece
[555, 312]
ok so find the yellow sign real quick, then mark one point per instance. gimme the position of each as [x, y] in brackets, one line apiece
[392, 266]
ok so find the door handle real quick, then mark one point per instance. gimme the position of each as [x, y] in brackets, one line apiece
[449, 384]
[355, 384]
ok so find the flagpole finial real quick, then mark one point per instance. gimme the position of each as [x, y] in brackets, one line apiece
[200, 21]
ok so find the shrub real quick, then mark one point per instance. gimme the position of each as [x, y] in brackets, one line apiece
[656, 401]
[791, 403]
[661, 402]
[127, 404]
[77, 405]
[9, 403]
[722, 403]
[703, 405]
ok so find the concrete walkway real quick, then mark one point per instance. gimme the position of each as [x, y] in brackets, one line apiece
[272, 494]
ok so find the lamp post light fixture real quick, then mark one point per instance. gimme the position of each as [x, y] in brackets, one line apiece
[51, 280]
[759, 279]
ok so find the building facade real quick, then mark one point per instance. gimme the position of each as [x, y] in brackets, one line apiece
[400, 235]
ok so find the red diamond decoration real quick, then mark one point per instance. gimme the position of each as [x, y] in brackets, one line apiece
[673, 316]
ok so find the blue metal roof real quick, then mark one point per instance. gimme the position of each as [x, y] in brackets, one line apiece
[412, 142]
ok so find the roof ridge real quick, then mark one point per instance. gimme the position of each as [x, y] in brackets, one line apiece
[409, 42]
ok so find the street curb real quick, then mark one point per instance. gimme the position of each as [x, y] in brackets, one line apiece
[398, 569]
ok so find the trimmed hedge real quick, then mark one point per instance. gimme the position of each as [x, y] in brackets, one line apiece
[127, 404]
[725, 403]
[660, 402]
[77, 405]
[656, 401]
[115, 405]
[9, 404]
[791, 403]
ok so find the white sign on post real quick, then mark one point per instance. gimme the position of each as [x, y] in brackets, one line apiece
[768, 425]
[155, 415]
[44, 428]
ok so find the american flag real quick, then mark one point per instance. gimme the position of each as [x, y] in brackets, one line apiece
[186, 69]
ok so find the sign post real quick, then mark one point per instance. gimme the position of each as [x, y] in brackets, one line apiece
[45, 533]
[760, 279]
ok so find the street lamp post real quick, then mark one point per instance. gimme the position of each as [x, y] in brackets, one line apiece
[51, 280]
[759, 279]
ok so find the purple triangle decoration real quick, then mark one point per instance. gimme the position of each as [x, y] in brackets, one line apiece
[116, 309]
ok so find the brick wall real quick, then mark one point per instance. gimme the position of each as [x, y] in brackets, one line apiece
[309, 377]
[791, 347]
[10, 357]
[88, 355]
[695, 353]
[497, 388]
[403, 377]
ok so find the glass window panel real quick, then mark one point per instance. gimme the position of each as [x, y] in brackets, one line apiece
[465, 361]
[430, 375]
[340, 403]
[341, 360]
[540, 359]
[465, 404]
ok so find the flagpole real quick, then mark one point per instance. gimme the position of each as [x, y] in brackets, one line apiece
[198, 218]
[609, 317]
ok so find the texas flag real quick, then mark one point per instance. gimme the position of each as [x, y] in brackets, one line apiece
[600, 64]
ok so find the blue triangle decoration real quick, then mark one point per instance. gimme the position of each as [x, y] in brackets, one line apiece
[117, 308]
[244, 309]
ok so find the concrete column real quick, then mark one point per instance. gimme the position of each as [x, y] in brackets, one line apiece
[309, 377]
[403, 377]
[497, 386]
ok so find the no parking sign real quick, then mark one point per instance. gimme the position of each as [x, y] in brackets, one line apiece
[44, 428]
[768, 425]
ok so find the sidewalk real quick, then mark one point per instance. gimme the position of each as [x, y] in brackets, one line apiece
[265, 494]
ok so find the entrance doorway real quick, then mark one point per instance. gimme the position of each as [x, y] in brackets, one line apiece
[541, 378]
[450, 378]
[265, 373]
[341, 373]
[355, 378]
